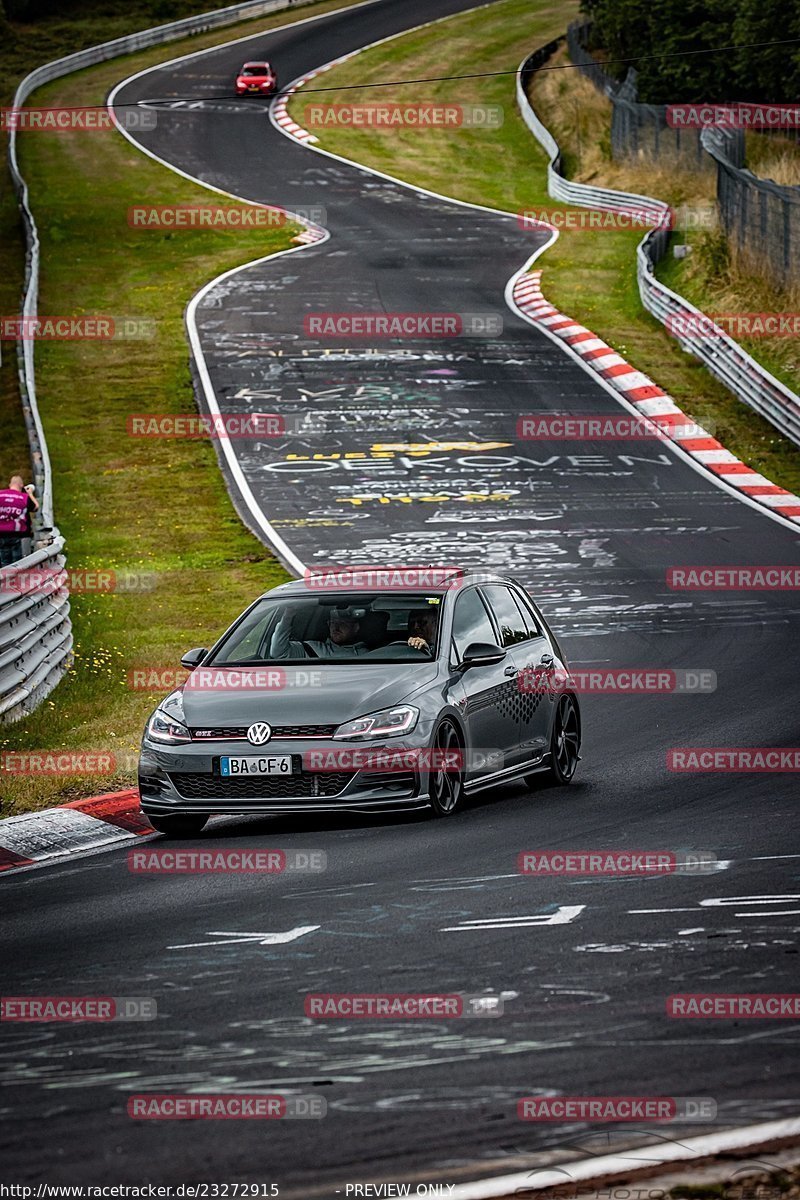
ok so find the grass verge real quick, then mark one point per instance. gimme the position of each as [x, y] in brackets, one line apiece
[126, 504]
[590, 275]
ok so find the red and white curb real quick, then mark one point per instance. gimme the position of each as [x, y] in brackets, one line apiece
[651, 401]
[279, 111]
[280, 108]
[38, 837]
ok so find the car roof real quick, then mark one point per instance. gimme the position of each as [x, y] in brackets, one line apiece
[444, 583]
[263, 63]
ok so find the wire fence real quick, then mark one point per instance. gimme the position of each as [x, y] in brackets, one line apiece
[723, 357]
[762, 218]
[641, 131]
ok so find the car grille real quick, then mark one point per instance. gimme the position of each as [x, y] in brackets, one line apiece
[195, 786]
[238, 733]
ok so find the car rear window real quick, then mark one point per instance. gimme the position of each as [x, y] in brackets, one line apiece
[528, 616]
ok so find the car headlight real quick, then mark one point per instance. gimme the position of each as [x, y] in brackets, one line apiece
[168, 723]
[380, 724]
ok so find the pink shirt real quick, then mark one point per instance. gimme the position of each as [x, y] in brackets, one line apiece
[14, 508]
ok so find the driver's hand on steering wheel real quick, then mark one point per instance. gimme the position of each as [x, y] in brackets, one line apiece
[418, 643]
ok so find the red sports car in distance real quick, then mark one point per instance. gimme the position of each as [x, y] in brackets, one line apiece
[256, 77]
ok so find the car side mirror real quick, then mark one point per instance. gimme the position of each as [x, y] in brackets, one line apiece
[482, 654]
[193, 658]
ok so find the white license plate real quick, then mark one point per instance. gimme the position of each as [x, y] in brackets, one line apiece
[265, 764]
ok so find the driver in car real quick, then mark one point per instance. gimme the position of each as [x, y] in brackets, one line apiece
[422, 624]
[342, 640]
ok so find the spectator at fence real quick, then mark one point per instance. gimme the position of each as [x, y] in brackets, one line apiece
[16, 505]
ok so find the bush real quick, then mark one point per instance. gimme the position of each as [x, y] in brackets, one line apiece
[676, 29]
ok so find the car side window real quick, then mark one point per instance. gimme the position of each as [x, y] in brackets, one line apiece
[250, 641]
[528, 616]
[471, 623]
[512, 627]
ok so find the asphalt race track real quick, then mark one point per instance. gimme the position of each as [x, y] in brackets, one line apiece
[433, 906]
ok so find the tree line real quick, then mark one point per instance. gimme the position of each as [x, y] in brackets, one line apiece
[634, 29]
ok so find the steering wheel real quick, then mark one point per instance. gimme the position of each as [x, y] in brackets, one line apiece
[401, 643]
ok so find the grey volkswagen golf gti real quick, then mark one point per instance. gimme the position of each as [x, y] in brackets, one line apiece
[363, 698]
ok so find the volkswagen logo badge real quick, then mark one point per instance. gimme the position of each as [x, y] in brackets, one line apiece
[259, 733]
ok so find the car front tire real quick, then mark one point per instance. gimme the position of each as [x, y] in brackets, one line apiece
[446, 787]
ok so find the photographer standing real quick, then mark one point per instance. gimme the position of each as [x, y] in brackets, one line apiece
[16, 505]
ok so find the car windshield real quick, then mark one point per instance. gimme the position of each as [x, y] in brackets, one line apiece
[261, 69]
[363, 627]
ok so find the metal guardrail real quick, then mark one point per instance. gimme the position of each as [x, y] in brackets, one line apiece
[579, 194]
[35, 628]
[724, 358]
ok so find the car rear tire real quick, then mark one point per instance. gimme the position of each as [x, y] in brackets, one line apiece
[446, 787]
[186, 825]
[565, 744]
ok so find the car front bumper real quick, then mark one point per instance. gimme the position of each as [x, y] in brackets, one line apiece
[186, 779]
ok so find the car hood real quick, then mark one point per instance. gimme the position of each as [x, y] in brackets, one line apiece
[325, 695]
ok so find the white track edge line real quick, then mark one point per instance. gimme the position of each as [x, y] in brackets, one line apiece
[583, 1170]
